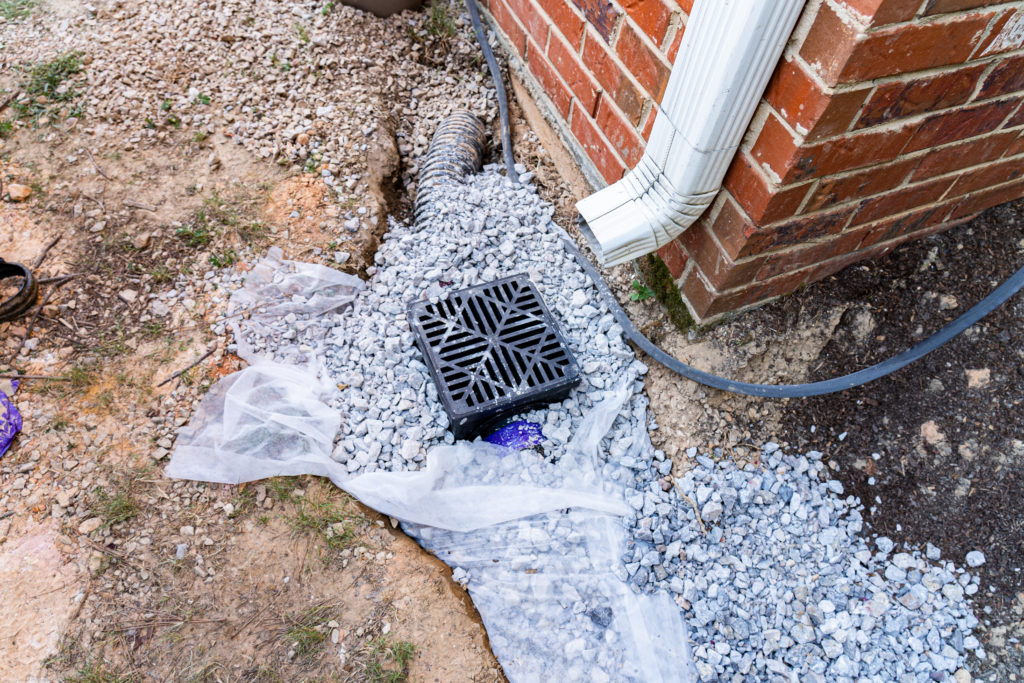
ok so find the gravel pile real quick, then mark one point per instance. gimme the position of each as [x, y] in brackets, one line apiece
[781, 583]
[306, 83]
[486, 229]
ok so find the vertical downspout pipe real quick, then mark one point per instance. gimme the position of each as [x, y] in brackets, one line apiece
[728, 53]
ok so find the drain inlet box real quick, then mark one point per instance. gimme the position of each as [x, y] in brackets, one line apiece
[493, 350]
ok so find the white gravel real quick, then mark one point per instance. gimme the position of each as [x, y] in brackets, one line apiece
[782, 584]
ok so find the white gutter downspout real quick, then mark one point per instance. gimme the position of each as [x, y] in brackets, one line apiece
[728, 53]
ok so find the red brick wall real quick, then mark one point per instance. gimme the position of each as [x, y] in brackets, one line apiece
[886, 120]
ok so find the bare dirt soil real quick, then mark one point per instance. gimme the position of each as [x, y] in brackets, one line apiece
[114, 572]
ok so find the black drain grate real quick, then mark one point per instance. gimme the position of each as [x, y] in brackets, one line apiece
[493, 350]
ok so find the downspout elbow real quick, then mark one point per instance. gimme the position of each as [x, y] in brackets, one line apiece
[728, 53]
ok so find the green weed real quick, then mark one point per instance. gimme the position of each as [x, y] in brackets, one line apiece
[224, 259]
[302, 33]
[117, 505]
[389, 660]
[201, 99]
[15, 10]
[307, 630]
[439, 22]
[6, 128]
[45, 85]
[325, 517]
[641, 292]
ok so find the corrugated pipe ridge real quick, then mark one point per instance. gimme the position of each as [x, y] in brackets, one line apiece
[456, 150]
[728, 53]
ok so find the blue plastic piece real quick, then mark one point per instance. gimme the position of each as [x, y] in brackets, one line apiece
[517, 435]
[10, 420]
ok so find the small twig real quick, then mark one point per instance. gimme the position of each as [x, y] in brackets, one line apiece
[39, 259]
[58, 280]
[181, 372]
[138, 205]
[49, 377]
[14, 96]
[121, 557]
[703, 529]
[6, 515]
[96, 166]
[93, 199]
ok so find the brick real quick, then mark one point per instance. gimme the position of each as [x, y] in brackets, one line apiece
[803, 229]
[697, 293]
[872, 181]
[985, 199]
[960, 124]
[913, 47]
[509, 26]
[945, 6]
[646, 64]
[568, 66]
[545, 74]
[1017, 147]
[677, 40]
[532, 19]
[1006, 78]
[1017, 119]
[835, 265]
[963, 155]
[649, 124]
[613, 78]
[906, 98]
[881, 12]
[718, 269]
[758, 292]
[795, 259]
[847, 153]
[601, 14]
[568, 23]
[902, 200]
[988, 176]
[625, 141]
[652, 16]
[797, 97]
[736, 233]
[902, 225]
[829, 44]
[1006, 35]
[608, 164]
[674, 257]
[775, 147]
[762, 202]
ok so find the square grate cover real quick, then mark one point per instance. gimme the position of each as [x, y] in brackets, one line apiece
[493, 350]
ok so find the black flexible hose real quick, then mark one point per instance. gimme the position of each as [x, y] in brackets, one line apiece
[499, 88]
[19, 304]
[829, 386]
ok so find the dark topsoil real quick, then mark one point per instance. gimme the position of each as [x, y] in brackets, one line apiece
[963, 491]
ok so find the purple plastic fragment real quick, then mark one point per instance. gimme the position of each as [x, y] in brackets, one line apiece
[517, 435]
[10, 420]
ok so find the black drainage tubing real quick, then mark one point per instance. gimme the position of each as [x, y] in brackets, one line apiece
[19, 304]
[499, 89]
[456, 150]
[829, 386]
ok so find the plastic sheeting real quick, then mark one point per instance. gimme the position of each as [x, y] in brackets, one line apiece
[536, 542]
